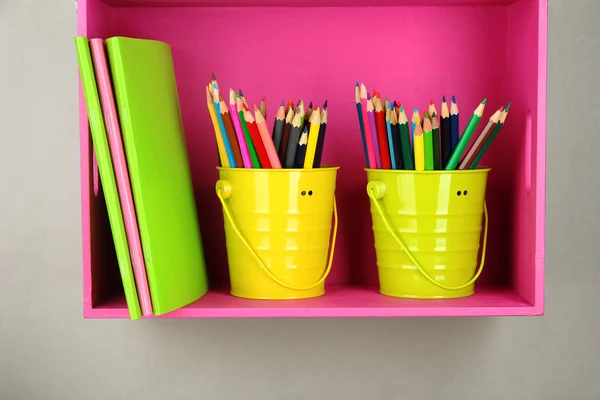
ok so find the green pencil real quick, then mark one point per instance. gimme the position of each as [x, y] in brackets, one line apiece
[407, 155]
[491, 138]
[428, 138]
[251, 149]
[464, 140]
[437, 155]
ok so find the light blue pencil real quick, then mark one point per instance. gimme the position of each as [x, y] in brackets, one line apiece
[223, 131]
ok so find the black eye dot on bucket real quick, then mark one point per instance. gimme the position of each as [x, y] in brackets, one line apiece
[310, 192]
[303, 193]
[465, 192]
[458, 193]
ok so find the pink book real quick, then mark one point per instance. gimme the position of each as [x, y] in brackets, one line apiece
[120, 165]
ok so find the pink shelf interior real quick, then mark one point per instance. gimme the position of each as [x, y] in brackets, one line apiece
[413, 53]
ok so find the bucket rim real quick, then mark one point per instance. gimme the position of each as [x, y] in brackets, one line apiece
[281, 170]
[477, 170]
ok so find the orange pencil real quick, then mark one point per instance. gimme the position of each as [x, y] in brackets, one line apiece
[266, 138]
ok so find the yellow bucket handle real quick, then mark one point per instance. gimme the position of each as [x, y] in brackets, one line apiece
[376, 190]
[222, 189]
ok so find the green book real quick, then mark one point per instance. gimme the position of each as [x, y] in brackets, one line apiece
[148, 106]
[107, 175]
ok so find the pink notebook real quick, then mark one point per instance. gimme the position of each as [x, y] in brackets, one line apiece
[120, 165]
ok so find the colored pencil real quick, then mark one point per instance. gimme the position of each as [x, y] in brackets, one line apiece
[313, 138]
[382, 134]
[231, 135]
[263, 107]
[256, 139]
[218, 134]
[445, 133]
[396, 143]
[247, 135]
[309, 112]
[286, 134]
[454, 128]
[388, 117]
[489, 141]
[361, 123]
[302, 147]
[407, 154]
[419, 148]
[278, 126]
[437, 156]
[294, 137]
[432, 109]
[414, 121]
[321, 142]
[373, 127]
[265, 136]
[481, 139]
[372, 163]
[466, 137]
[247, 161]
[226, 142]
[243, 98]
[428, 142]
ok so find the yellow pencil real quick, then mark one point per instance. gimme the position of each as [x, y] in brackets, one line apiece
[313, 137]
[419, 148]
[218, 134]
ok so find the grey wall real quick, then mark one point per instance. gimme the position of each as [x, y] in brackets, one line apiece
[47, 350]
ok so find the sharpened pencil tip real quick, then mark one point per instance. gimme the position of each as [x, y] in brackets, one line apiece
[325, 105]
[357, 84]
[416, 110]
[401, 108]
[444, 99]
[431, 103]
[484, 101]
[507, 107]
[310, 105]
[454, 99]
[426, 115]
[282, 103]
[368, 96]
[264, 98]
[214, 78]
[241, 93]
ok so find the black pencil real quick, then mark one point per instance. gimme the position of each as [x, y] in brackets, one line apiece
[396, 143]
[278, 126]
[282, 152]
[301, 152]
[445, 134]
[292, 146]
[321, 139]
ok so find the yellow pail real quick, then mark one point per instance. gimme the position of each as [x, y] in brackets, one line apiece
[277, 230]
[427, 228]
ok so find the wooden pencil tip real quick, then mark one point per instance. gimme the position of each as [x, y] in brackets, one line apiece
[454, 99]
[507, 107]
[401, 108]
[431, 103]
[241, 93]
[416, 110]
[264, 98]
[426, 115]
[443, 98]
[368, 96]
[325, 105]
[357, 84]
[282, 104]
[255, 108]
[484, 101]
[310, 105]
[214, 78]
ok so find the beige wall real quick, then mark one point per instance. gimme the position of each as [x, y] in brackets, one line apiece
[47, 351]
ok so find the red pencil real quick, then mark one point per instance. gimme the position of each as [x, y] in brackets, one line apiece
[256, 139]
[384, 147]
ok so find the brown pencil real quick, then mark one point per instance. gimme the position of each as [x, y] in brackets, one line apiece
[263, 107]
[478, 145]
[230, 130]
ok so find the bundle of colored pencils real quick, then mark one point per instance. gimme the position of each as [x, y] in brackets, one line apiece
[433, 142]
[244, 139]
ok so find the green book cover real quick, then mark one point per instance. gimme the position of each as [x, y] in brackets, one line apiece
[107, 175]
[148, 105]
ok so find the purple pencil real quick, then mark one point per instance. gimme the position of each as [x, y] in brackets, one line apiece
[238, 130]
[373, 126]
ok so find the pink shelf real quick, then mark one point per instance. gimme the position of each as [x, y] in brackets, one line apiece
[340, 301]
[475, 48]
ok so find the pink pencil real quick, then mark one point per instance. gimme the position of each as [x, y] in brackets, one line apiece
[368, 133]
[373, 127]
[265, 135]
[238, 130]
[120, 163]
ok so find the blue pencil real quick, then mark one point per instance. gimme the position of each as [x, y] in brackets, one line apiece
[389, 133]
[226, 143]
[454, 135]
[361, 123]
